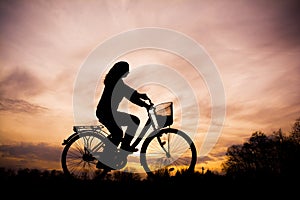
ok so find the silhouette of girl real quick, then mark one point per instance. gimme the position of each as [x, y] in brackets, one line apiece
[107, 110]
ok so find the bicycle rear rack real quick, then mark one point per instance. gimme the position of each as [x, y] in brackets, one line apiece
[93, 128]
[97, 129]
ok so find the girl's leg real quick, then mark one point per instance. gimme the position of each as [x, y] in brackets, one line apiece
[132, 122]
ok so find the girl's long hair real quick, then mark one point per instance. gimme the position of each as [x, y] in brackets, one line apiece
[116, 72]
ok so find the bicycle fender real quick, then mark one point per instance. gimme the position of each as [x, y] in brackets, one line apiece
[65, 141]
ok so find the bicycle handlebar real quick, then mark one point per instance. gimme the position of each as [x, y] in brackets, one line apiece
[150, 105]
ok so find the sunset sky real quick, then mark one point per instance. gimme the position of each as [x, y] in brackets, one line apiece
[44, 45]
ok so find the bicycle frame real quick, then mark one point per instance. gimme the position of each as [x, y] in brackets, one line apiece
[151, 122]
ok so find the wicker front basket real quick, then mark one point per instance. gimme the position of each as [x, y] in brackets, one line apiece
[164, 114]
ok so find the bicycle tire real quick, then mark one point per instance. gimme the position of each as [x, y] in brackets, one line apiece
[182, 156]
[76, 160]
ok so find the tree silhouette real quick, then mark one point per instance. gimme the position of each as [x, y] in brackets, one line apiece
[295, 133]
[262, 156]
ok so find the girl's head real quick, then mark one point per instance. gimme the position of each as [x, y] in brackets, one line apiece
[118, 70]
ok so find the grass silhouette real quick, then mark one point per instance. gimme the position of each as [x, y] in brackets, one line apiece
[33, 183]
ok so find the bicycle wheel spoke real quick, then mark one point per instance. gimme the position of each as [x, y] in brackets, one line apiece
[77, 157]
[98, 147]
[178, 153]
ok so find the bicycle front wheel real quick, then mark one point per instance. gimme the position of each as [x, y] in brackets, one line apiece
[78, 157]
[170, 152]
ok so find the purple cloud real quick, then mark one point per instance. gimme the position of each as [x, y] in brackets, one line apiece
[19, 155]
[17, 105]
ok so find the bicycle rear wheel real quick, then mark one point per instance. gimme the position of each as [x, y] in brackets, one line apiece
[78, 157]
[170, 152]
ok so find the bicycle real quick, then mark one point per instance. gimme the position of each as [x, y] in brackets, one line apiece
[164, 149]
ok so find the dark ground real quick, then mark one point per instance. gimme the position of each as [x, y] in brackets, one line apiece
[194, 186]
